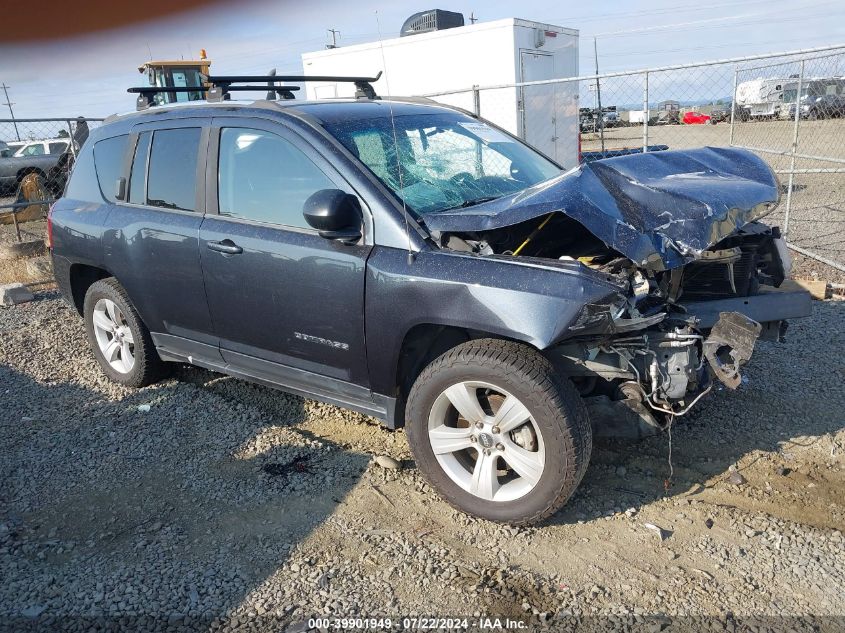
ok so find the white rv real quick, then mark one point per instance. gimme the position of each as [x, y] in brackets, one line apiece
[763, 98]
[456, 59]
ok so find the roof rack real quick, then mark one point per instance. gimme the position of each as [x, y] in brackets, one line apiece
[212, 93]
[217, 88]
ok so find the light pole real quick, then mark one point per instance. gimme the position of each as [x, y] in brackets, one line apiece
[11, 112]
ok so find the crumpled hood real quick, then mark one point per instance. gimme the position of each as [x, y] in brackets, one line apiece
[659, 209]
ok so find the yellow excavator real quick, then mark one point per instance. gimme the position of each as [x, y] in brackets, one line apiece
[35, 188]
[177, 74]
[187, 80]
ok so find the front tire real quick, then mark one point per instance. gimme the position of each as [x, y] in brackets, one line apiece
[498, 432]
[119, 339]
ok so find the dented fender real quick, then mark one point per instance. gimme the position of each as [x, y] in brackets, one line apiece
[540, 302]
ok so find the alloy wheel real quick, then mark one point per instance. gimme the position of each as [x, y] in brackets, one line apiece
[486, 441]
[114, 336]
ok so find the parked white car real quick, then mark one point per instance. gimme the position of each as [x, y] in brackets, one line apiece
[43, 147]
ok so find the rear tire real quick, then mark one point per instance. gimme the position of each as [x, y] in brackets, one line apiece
[118, 337]
[532, 467]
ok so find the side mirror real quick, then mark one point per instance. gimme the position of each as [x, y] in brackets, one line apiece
[335, 214]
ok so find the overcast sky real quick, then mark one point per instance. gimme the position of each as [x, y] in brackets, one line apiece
[89, 75]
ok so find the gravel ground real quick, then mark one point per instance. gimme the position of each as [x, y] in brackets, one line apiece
[212, 504]
[808, 268]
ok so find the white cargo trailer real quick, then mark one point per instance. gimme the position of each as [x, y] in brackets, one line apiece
[763, 97]
[485, 54]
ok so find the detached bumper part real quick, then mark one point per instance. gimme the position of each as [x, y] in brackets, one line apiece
[790, 301]
[730, 345]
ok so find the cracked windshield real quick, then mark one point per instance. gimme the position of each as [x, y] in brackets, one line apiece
[440, 162]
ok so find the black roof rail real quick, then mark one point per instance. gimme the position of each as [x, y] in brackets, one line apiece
[213, 93]
[218, 87]
[362, 84]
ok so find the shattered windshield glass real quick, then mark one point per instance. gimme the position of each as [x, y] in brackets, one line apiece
[445, 160]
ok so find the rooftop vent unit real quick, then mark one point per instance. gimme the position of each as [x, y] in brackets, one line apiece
[431, 20]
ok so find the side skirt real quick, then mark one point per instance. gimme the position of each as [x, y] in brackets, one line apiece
[289, 379]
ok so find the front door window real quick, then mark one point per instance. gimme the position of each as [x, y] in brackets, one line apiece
[263, 177]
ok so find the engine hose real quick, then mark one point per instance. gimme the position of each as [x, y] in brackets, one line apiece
[685, 409]
[682, 343]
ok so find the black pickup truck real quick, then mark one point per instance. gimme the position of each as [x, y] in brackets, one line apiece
[415, 263]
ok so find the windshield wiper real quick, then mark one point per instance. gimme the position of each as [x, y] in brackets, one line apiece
[475, 201]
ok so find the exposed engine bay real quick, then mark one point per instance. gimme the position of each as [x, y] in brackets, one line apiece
[654, 360]
[736, 266]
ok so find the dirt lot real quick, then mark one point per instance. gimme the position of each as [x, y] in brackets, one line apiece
[213, 504]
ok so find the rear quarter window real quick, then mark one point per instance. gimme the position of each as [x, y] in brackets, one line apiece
[83, 183]
[108, 161]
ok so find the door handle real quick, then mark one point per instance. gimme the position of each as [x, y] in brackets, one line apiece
[228, 247]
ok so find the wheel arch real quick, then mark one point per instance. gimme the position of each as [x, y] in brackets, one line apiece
[25, 171]
[82, 277]
[424, 342]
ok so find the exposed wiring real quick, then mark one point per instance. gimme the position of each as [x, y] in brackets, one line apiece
[533, 234]
[667, 483]
[650, 396]
[686, 408]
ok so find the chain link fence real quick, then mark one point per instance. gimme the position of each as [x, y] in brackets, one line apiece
[789, 108]
[36, 156]
[801, 107]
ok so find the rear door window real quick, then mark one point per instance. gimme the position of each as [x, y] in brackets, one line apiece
[58, 148]
[108, 161]
[172, 176]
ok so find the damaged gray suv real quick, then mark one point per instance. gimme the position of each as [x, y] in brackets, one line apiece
[417, 264]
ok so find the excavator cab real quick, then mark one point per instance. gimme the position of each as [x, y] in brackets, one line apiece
[177, 74]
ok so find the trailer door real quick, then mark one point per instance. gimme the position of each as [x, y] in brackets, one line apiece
[537, 103]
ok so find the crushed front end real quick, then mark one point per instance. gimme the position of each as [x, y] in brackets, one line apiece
[703, 278]
[678, 333]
